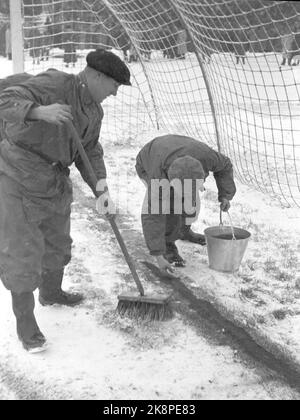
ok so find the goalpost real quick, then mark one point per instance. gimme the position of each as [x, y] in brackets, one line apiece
[218, 70]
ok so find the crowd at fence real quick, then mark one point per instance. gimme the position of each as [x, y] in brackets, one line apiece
[173, 43]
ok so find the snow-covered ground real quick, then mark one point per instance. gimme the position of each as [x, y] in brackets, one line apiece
[94, 354]
[265, 293]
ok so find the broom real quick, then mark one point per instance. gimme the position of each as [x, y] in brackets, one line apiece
[150, 308]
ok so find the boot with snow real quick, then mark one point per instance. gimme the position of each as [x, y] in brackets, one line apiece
[186, 234]
[172, 255]
[27, 329]
[51, 291]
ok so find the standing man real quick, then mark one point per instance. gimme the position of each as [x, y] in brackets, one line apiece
[35, 189]
[8, 51]
[47, 39]
[176, 158]
[36, 44]
[181, 44]
[133, 56]
[288, 48]
[70, 56]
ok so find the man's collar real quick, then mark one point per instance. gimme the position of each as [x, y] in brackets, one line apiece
[85, 96]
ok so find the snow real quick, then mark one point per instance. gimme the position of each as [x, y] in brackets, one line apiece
[95, 354]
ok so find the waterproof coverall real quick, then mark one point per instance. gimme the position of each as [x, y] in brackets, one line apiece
[153, 162]
[35, 189]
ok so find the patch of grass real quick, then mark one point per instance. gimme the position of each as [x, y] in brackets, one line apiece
[270, 265]
[283, 275]
[251, 264]
[289, 257]
[247, 278]
[248, 293]
[261, 319]
[285, 247]
[279, 314]
[289, 295]
[280, 271]
[291, 262]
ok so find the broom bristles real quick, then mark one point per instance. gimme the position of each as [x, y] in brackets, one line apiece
[146, 311]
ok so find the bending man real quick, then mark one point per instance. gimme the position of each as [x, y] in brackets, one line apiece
[176, 158]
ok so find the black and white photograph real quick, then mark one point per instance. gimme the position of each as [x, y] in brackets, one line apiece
[149, 203]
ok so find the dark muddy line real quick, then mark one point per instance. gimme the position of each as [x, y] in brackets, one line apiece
[208, 312]
[201, 313]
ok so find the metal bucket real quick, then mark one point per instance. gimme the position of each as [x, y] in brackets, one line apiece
[224, 252]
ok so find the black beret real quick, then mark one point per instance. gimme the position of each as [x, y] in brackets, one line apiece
[110, 64]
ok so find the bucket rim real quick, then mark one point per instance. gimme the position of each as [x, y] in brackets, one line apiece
[237, 230]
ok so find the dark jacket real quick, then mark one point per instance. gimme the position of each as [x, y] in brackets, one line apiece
[153, 162]
[29, 147]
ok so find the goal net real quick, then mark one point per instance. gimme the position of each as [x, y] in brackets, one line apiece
[222, 71]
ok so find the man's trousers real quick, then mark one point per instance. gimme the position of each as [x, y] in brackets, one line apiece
[33, 237]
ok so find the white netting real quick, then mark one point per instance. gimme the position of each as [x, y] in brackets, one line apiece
[218, 70]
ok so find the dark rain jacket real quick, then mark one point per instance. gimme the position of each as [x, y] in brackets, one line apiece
[153, 162]
[31, 151]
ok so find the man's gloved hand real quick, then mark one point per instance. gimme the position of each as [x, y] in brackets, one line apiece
[104, 204]
[166, 268]
[225, 204]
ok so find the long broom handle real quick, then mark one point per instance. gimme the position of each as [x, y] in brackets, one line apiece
[113, 224]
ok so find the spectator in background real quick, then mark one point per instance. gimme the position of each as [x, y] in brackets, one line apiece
[35, 44]
[124, 45]
[169, 43]
[70, 56]
[8, 51]
[181, 44]
[288, 48]
[125, 51]
[47, 39]
[240, 53]
[133, 57]
[239, 45]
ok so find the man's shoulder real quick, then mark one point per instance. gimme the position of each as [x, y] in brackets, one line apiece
[50, 80]
[56, 74]
[14, 79]
[171, 142]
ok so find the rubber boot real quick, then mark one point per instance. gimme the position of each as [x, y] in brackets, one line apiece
[27, 329]
[51, 291]
[186, 234]
[172, 255]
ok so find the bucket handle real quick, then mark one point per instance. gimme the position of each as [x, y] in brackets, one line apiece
[221, 219]
[231, 225]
